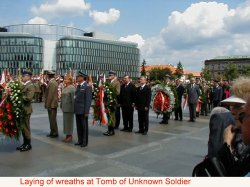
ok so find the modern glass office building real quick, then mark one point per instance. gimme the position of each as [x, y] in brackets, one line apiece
[97, 56]
[20, 51]
[53, 47]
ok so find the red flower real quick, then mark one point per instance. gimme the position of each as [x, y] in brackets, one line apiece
[8, 105]
[8, 110]
[1, 113]
[6, 130]
[106, 111]
[10, 117]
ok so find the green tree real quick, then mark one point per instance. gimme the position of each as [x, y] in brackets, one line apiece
[206, 74]
[245, 70]
[231, 72]
[143, 71]
[179, 70]
[159, 74]
[190, 75]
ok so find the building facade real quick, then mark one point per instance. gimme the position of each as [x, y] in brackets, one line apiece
[21, 51]
[218, 64]
[52, 47]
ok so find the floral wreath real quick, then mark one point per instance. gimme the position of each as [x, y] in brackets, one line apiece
[163, 99]
[105, 103]
[12, 111]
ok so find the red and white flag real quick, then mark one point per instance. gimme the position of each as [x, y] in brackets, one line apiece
[185, 103]
[3, 79]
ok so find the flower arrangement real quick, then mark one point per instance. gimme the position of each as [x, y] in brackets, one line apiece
[105, 102]
[163, 99]
[12, 110]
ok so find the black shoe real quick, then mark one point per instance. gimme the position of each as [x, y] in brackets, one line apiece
[20, 147]
[26, 147]
[54, 135]
[124, 129]
[144, 133]
[49, 135]
[138, 132]
[180, 119]
[84, 145]
[109, 133]
[164, 122]
[77, 143]
[191, 120]
[129, 130]
[175, 119]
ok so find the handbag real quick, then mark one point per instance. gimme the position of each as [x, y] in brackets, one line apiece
[209, 167]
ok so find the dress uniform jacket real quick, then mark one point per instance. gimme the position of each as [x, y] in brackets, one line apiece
[83, 98]
[51, 94]
[29, 91]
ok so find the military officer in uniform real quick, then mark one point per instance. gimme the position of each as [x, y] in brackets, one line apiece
[51, 103]
[83, 97]
[28, 90]
[115, 83]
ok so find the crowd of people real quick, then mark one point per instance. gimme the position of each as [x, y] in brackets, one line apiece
[227, 119]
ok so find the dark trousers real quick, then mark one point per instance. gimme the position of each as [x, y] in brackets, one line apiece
[166, 117]
[204, 108]
[52, 112]
[215, 103]
[82, 129]
[143, 120]
[178, 112]
[117, 117]
[127, 117]
[192, 110]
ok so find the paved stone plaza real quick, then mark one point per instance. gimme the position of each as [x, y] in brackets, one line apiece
[167, 150]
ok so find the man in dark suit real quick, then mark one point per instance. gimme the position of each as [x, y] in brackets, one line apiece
[127, 102]
[51, 103]
[28, 90]
[217, 93]
[142, 103]
[180, 91]
[115, 83]
[83, 97]
[193, 92]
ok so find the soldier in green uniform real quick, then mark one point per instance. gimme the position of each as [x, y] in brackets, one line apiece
[51, 103]
[28, 91]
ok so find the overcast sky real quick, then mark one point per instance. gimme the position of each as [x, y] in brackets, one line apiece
[167, 31]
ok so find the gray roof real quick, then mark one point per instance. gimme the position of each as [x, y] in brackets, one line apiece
[114, 42]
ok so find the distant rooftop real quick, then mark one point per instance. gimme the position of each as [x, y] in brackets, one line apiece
[231, 57]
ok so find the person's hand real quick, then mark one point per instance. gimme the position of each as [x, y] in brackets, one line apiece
[146, 108]
[85, 115]
[229, 136]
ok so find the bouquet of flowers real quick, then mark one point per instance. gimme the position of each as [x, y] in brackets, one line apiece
[12, 110]
[163, 99]
[105, 103]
